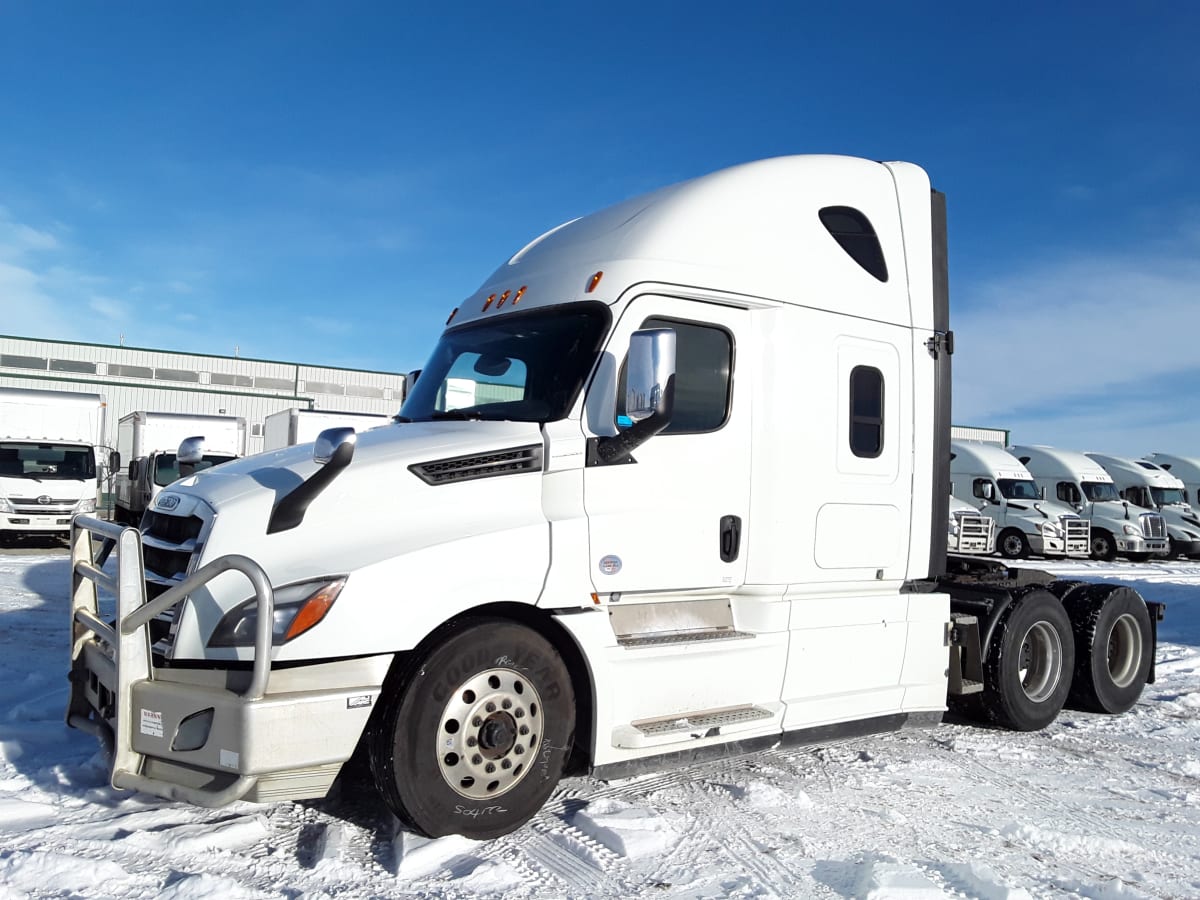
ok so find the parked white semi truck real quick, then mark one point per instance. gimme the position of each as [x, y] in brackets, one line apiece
[1003, 490]
[1118, 526]
[657, 550]
[147, 445]
[1186, 469]
[48, 471]
[289, 427]
[1152, 487]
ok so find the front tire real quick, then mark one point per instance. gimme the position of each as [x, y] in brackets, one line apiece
[1103, 546]
[1027, 673]
[473, 737]
[1113, 647]
[1012, 544]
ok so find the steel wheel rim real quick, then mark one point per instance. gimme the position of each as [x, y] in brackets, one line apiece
[1040, 663]
[1012, 545]
[1124, 651]
[488, 734]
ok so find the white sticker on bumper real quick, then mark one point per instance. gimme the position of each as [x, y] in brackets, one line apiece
[152, 723]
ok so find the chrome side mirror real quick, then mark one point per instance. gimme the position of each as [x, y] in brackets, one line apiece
[651, 367]
[190, 452]
[334, 443]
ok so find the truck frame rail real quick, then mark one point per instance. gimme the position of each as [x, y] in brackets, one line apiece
[109, 658]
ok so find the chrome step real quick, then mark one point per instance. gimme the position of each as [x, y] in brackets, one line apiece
[692, 636]
[717, 718]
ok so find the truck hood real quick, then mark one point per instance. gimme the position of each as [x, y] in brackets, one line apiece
[374, 509]
[58, 489]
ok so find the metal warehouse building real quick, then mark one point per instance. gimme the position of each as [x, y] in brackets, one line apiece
[132, 378]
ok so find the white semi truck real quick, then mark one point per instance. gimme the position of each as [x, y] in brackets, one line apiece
[654, 549]
[1149, 486]
[1186, 469]
[1004, 491]
[48, 458]
[146, 458]
[1118, 527]
[289, 427]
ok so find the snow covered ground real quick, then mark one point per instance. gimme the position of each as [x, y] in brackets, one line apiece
[1091, 807]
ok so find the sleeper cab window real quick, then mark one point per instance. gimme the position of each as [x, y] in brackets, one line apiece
[866, 411]
[703, 377]
[855, 234]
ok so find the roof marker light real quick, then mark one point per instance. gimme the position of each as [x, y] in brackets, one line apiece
[488, 303]
[503, 297]
[517, 297]
[453, 313]
[595, 281]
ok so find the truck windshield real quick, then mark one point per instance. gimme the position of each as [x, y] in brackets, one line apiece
[166, 467]
[1017, 489]
[1167, 496]
[44, 462]
[522, 367]
[1099, 491]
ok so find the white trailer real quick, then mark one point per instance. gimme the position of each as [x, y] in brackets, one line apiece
[1118, 527]
[1149, 486]
[646, 550]
[48, 458]
[1002, 488]
[1186, 469]
[289, 427]
[146, 458]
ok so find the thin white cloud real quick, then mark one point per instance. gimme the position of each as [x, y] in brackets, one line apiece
[18, 240]
[327, 325]
[108, 307]
[1078, 351]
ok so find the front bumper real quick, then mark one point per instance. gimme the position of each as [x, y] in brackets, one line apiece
[55, 523]
[204, 736]
[1127, 544]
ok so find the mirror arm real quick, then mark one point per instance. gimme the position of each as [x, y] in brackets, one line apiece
[617, 448]
[289, 511]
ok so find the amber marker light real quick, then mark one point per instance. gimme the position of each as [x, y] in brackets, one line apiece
[453, 313]
[517, 296]
[503, 297]
[596, 599]
[314, 609]
[595, 281]
[488, 303]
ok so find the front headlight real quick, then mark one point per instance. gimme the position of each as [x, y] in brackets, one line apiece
[1051, 529]
[298, 607]
[85, 506]
[5, 506]
[1133, 530]
[954, 526]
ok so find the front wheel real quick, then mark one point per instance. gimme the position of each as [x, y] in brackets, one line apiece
[473, 738]
[1027, 673]
[1103, 545]
[1013, 544]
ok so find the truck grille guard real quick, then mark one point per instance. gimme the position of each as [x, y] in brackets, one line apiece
[975, 533]
[116, 656]
[1078, 534]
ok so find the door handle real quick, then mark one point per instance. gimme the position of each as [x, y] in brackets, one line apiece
[731, 537]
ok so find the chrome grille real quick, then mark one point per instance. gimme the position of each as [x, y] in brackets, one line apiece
[30, 506]
[1153, 526]
[170, 545]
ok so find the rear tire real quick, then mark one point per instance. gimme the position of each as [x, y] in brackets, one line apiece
[1103, 545]
[1113, 647]
[472, 738]
[1027, 672]
[1012, 544]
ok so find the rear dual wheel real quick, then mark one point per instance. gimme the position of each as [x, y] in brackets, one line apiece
[1027, 673]
[473, 737]
[1113, 644]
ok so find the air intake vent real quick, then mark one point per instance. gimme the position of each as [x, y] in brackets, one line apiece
[481, 465]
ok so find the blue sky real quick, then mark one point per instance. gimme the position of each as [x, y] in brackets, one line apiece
[323, 182]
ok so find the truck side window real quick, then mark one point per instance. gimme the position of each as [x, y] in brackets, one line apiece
[1067, 492]
[703, 376]
[977, 487]
[866, 411]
